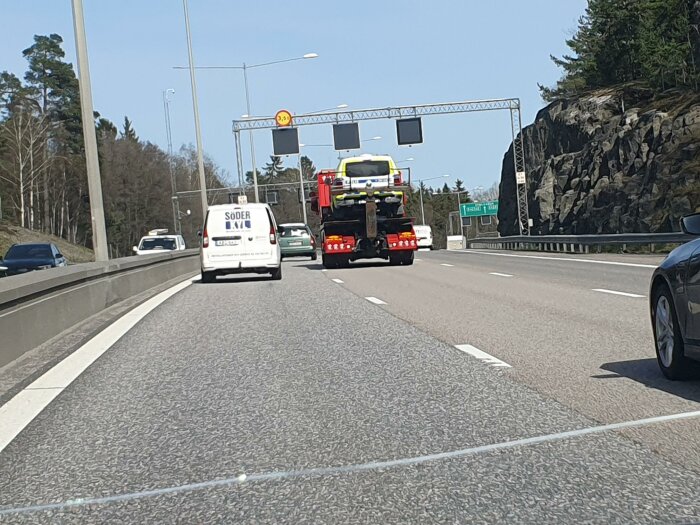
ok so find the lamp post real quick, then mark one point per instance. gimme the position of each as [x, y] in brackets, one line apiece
[420, 186]
[245, 67]
[169, 136]
[99, 231]
[195, 109]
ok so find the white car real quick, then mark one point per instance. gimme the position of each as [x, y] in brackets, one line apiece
[157, 241]
[424, 234]
[240, 238]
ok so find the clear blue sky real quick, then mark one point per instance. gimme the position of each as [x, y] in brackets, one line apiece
[372, 53]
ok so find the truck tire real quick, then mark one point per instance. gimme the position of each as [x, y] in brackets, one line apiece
[408, 258]
[394, 259]
[328, 261]
[208, 277]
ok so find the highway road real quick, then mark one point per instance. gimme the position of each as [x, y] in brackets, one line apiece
[471, 387]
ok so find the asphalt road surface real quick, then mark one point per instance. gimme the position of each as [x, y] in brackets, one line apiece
[303, 401]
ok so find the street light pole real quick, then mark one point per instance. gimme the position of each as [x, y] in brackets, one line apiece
[99, 232]
[195, 108]
[245, 68]
[250, 132]
[302, 192]
[422, 211]
[173, 186]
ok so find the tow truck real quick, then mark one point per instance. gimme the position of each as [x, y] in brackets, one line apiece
[362, 205]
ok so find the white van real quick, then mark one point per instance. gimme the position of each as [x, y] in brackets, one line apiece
[424, 234]
[240, 238]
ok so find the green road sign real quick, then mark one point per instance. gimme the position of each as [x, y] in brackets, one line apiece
[477, 209]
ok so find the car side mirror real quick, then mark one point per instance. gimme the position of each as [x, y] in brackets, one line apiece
[691, 224]
[135, 248]
[59, 256]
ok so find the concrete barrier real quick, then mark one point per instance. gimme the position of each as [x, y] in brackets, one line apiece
[37, 306]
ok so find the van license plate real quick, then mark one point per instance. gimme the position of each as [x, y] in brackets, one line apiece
[226, 243]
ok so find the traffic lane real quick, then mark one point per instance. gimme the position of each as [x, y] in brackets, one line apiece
[599, 479]
[560, 269]
[593, 352]
[256, 376]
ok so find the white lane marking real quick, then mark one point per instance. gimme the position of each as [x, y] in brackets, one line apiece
[417, 259]
[19, 411]
[324, 270]
[500, 274]
[482, 356]
[445, 264]
[592, 261]
[348, 469]
[375, 300]
[614, 292]
[337, 281]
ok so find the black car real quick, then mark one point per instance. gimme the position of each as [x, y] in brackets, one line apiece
[27, 257]
[675, 305]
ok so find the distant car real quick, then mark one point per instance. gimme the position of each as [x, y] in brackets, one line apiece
[297, 240]
[675, 305]
[424, 235]
[240, 238]
[27, 257]
[159, 240]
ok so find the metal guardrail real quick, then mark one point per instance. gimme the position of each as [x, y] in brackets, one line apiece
[577, 243]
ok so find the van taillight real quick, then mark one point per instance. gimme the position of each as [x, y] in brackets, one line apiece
[273, 235]
[205, 239]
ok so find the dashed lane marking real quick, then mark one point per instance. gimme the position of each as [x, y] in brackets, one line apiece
[375, 300]
[615, 292]
[482, 356]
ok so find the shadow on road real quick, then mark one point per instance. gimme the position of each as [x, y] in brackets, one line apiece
[235, 280]
[646, 371]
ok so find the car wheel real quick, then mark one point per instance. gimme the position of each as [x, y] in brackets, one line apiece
[208, 277]
[277, 273]
[667, 336]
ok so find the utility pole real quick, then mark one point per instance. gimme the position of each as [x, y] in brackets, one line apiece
[195, 108]
[99, 232]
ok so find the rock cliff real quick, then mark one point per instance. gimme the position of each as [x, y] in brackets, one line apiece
[614, 161]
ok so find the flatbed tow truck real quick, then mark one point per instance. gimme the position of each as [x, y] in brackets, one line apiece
[363, 212]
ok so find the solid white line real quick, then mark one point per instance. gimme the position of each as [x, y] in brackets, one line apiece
[337, 281]
[614, 292]
[445, 264]
[347, 469]
[500, 274]
[592, 261]
[375, 300]
[19, 411]
[481, 355]
[324, 270]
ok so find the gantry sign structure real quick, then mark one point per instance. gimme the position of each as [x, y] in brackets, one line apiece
[407, 112]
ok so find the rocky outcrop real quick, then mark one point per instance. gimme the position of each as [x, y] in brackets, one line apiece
[618, 161]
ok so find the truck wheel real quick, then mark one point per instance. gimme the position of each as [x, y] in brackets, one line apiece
[328, 261]
[208, 277]
[408, 258]
[394, 259]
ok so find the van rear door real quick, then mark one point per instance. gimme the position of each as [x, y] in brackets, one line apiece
[238, 233]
